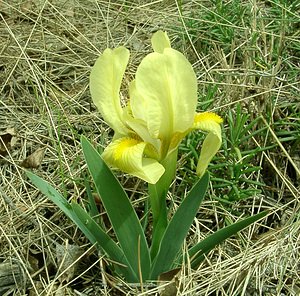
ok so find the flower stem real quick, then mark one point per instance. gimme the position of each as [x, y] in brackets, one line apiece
[157, 194]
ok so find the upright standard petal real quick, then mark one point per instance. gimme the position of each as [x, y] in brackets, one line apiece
[138, 104]
[128, 155]
[105, 82]
[168, 86]
[160, 41]
[209, 122]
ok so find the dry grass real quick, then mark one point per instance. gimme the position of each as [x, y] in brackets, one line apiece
[47, 50]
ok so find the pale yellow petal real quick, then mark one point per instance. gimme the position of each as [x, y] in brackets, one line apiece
[160, 41]
[209, 148]
[137, 102]
[105, 82]
[140, 128]
[209, 122]
[168, 86]
[127, 154]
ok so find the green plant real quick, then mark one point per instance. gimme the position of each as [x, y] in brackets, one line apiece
[239, 157]
[219, 23]
[163, 99]
[130, 257]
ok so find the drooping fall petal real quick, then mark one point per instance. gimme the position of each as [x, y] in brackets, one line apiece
[128, 155]
[105, 82]
[209, 122]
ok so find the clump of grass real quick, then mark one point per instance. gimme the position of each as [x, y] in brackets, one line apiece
[246, 58]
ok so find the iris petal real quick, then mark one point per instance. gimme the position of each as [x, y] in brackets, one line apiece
[127, 154]
[168, 86]
[141, 129]
[138, 104]
[209, 122]
[160, 41]
[105, 82]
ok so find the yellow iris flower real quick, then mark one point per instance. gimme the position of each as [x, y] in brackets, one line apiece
[160, 112]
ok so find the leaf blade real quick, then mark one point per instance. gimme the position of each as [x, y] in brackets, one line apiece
[84, 222]
[179, 227]
[122, 215]
[219, 236]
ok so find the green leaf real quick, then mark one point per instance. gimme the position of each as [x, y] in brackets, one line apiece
[122, 215]
[197, 252]
[91, 229]
[85, 223]
[178, 228]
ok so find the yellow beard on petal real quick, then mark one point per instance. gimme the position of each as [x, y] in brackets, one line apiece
[208, 116]
[122, 146]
